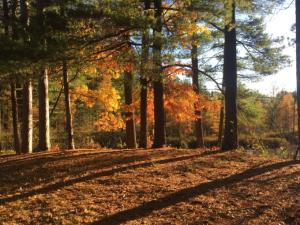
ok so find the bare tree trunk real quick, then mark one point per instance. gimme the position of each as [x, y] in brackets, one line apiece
[14, 110]
[5, 17]
[230, 141]
[1, 111]
[13, 7]
[144, 85]
[44, 116]
[294, 115]
[27, 127]
[69, 119]
[298, 70]
[198, 123]
[159, 110]
[130, 124]
[44, 120]
[221, 126]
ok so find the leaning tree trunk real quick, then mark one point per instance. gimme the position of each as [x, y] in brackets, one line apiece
[195, 75]
[69, 119]
[159, 110]
[27, 126]
[230, 141]
[130, 124]
[144, 84]
[298, 69]
[44, 116]
[14, 110]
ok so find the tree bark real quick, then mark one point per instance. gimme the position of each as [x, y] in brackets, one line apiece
[44, 117]
[221, 125]
[24, 18]
[69, 119]
[44, 120]
[129, 114]
[1, 111]
[13, 7]
[298, 70]
[294, 115]
[14, 110]
[195, 77]
[159, 110]
[230, 141]
[144, 85]
[27, 127]
[5, 17]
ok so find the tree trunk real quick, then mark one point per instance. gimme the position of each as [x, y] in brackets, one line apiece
[144, 85]
[159, 110]
[14, 110]
[69, 119]
[5, 17]
[24, 18]
[1, 111]
[294, 115]
[44, 121]
[130, 124]
[44, 117]
[221, 125]
[230, 141]
[13, 7]
[195, 77]
[298, 69]
[27, 127]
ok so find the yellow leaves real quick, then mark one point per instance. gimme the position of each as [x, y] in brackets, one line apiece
[195, 28]
[109, 121]
[107, 98]
[190, 32]
[85, 95]
[285, 112]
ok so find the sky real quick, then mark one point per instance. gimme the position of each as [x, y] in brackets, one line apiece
[280, 24]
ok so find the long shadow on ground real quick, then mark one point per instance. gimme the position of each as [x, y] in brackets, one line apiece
[185, 194]
[58, 185]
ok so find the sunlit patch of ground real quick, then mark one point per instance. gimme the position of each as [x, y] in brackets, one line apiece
[148, 187]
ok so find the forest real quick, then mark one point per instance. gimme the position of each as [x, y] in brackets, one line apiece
[140, 112]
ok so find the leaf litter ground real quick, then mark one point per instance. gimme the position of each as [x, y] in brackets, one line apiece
[164, 186]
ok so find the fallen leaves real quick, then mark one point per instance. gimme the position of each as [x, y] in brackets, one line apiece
[137, 186]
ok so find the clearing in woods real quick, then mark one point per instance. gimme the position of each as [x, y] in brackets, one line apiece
[148, 187]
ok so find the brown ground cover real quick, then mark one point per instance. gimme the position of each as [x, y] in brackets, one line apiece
[148, 187]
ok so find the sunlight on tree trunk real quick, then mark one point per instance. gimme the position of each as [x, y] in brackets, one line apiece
[27, 127]
[129, 114]
[298, 69]
[195, 78]
[68, 110]
[44, 120]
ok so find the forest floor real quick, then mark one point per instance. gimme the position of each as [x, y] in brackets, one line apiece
[148, 187]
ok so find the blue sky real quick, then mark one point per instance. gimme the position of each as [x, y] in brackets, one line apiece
[280, 24]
